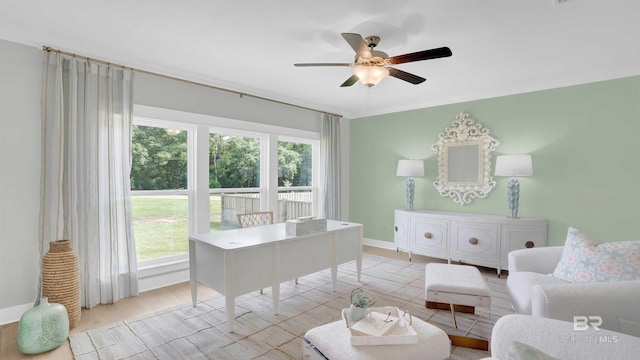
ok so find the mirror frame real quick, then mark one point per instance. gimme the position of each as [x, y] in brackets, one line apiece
[465, 132]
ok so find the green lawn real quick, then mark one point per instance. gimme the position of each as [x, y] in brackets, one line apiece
[160, 225]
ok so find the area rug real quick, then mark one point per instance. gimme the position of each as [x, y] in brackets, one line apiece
[187, 332]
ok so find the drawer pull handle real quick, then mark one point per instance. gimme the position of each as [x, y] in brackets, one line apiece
[428, 235]
[529, 244]
[396, 228]
[473, 241]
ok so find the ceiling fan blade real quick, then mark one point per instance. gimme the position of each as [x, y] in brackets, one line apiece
[403, 75]
[323, 64]
[420, 55]
[357, 44]
[350, 81]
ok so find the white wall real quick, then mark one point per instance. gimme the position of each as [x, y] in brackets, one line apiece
[177, 95]
[20, 76]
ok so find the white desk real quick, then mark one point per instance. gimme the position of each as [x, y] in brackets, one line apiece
[236, 262]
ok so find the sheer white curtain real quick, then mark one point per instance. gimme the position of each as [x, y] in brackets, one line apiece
[330, 166]
[86, 162]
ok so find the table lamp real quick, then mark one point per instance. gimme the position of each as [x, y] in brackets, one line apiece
[514, 165]
[410, 168]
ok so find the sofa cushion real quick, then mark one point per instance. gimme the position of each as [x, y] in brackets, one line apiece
[522, 351]
[584, 260]
[520, 284]
[558, 339]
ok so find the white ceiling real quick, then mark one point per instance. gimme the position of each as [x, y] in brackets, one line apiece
[499, 47]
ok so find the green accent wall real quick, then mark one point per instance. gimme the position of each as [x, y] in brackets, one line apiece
[584, 141]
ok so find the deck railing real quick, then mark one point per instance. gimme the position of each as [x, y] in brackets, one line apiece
[291, 205]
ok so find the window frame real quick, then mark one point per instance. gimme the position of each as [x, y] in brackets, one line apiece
[196, 125]
[315, 171]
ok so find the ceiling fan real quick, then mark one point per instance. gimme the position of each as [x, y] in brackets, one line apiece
[371, 66]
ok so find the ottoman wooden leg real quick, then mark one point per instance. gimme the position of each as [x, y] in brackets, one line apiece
[444, 306]
[470, 343]
[453, 315]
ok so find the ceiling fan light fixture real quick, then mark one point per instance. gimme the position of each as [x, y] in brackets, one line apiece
[370, 75]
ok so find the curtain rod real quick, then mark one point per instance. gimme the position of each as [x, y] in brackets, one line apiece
[50, 49]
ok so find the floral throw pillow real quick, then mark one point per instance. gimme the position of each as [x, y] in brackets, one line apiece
[586, 260]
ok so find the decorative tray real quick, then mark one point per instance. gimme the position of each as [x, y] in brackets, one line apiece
[392, 334]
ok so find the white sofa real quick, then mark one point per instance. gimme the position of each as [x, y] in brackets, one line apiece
[534, 291]
[558, 339]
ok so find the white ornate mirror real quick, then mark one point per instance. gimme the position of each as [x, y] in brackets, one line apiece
[464, 160]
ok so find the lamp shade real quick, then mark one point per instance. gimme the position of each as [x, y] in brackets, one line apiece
[514, 165]
[370, 75]
[410, 168]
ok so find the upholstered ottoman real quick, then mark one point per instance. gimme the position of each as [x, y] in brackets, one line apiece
[457, 288]
[455, 284]
[331, 341]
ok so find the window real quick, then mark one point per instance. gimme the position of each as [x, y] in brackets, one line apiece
[294, 164]
[234, 178]
[159, 183]
[295, 175]
[189, 176]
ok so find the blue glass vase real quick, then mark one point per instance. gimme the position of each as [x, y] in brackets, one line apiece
[43, 328]
[356, 313]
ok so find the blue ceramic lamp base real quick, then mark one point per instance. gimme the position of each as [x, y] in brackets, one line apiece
[411, 189]
[513, 197]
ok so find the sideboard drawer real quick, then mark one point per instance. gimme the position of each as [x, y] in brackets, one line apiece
[400, 228]
[515, 237]
[475, 241]
[430, 235]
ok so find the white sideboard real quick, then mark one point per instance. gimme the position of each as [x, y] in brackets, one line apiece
[468, 238]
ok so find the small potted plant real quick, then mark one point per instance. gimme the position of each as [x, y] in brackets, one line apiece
[359, 304]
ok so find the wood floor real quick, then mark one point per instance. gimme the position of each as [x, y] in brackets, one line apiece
[147, 302]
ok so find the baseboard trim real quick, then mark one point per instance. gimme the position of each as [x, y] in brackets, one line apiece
[388, 245]
[13, 314]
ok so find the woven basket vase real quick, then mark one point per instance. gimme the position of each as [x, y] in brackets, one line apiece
[61, 278]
